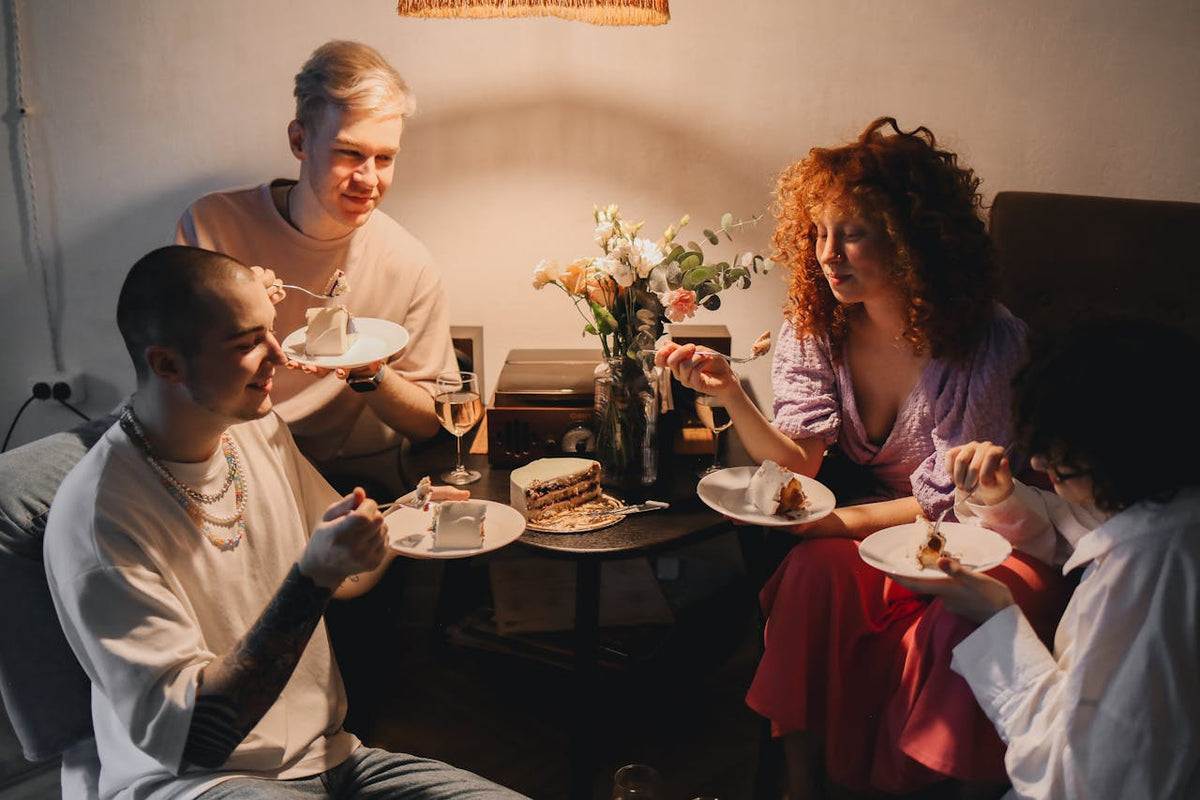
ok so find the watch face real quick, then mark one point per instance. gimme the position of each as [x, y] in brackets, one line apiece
[363, 384]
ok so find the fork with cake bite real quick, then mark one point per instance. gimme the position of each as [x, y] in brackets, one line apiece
[337, 286]
[761, 346]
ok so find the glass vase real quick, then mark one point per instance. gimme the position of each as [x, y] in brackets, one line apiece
[627, 424]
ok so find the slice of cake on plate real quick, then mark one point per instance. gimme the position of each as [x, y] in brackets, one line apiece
[933, 546]
[330, 331]
[458, 524]
[547, 487]
[774, 490]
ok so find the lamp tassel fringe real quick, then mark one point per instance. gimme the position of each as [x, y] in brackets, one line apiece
[597, 12]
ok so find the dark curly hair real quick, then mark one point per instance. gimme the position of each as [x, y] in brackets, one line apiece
[942, 257]
[1084, 398]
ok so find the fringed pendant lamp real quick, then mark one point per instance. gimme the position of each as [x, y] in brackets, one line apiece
[597, 12]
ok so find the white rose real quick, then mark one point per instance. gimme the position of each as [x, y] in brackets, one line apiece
[545, 272]
[645, 255]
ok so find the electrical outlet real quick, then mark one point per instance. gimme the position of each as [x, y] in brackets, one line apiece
[69, 386]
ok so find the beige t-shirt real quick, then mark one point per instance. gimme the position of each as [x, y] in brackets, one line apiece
[146, 601]
[390, 276]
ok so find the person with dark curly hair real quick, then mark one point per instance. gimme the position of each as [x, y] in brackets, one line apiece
[1110, 710]
[893, 350]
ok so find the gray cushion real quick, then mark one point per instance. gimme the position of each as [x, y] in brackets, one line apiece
[46, 693]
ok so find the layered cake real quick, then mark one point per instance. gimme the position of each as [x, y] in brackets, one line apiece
[547, 487]
[330, 331]
[337, 284]
[458, 524]
[774, 490]
[761, 345]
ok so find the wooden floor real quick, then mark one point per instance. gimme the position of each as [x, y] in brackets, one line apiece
[671, 696]
[675, 702]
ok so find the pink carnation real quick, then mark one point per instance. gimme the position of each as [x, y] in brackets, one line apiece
[679, 304]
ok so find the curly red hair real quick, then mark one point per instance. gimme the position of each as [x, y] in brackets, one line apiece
[930, 206]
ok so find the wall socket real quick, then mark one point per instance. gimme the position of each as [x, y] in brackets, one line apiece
[69, 386]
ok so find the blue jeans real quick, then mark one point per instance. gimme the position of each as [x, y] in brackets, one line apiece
[370, 773]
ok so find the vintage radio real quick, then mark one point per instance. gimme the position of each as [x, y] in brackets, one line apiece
[543, 405]
[543, 402]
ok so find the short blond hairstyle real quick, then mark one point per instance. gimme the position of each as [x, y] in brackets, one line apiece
[349, 76]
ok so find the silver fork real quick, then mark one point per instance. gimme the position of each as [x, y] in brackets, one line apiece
[730, 359]
[335, 282]
[302, 289]
[740, 359]
[417, 498]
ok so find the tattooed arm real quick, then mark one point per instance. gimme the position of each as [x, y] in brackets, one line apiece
[237, 688]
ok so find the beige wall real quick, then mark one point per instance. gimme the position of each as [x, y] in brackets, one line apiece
[523, 125]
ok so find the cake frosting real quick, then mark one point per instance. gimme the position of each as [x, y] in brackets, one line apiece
[775, 490]
[458, 524]
[549, 486]
[330, 331]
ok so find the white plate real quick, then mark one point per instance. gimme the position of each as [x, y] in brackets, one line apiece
[377, 339]
[894, 550]
[725, 491]
[409, 533]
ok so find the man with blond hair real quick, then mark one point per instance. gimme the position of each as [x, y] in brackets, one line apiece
[351, 108]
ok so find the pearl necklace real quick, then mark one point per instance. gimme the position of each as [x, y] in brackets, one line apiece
[192, 501]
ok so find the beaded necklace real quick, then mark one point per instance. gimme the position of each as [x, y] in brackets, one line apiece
[192, 501]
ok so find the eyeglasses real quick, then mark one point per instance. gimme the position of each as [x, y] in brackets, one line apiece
[1043, 464]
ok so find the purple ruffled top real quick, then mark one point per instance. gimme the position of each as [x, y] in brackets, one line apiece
[952, 403]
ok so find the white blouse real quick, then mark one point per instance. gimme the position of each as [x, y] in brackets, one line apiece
[1114, 711]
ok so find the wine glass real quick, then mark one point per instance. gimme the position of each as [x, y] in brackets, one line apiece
[459, 407]
[713, 414]
[637, 782]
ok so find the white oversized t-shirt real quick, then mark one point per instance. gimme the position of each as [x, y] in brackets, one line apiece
[146, 601]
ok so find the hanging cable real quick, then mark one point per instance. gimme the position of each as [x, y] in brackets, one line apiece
[13, 426]
[24, 112]
[78, 413]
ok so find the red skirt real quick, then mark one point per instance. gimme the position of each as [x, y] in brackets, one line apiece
[865, 663]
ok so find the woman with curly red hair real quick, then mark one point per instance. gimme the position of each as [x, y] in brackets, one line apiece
[893, 350]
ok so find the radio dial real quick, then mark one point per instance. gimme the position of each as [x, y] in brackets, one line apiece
[578, 439]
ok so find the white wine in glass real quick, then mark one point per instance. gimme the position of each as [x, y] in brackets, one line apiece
[459, 407]
[715, 417]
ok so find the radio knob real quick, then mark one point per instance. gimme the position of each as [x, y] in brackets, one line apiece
[578, 439]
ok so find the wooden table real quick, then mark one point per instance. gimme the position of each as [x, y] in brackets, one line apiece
[687, 520]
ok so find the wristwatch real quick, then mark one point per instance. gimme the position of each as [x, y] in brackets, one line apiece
[367, 384]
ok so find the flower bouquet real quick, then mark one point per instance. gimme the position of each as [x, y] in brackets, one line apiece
[626, 296]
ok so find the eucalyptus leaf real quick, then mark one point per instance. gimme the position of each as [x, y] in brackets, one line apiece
[689, 263]
[694, 278]
[712, 302]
